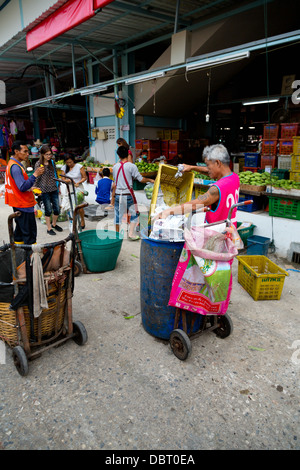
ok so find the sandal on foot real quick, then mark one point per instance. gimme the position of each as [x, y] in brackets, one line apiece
[133, 239]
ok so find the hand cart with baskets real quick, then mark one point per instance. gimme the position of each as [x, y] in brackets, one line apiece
[36, 288]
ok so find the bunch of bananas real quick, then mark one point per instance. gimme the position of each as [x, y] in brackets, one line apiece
[120, 113]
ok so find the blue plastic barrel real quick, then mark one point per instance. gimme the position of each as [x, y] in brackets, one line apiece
[158, 262]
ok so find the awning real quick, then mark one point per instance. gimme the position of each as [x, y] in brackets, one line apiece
[65, 18]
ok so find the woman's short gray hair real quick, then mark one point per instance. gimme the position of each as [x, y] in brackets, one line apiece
[217, 152]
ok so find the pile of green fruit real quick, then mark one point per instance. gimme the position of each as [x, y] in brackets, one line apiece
[202, 176]
[87, 164]
[145, 167]
[256, 179]
[266, 179]
[286, 184]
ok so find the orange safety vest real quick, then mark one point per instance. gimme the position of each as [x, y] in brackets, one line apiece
[13, 196]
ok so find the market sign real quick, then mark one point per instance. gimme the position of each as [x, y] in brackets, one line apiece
[2, 93]
[68, 16]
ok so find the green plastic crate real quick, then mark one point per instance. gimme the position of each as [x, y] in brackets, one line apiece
[284, 207]
[282, 174]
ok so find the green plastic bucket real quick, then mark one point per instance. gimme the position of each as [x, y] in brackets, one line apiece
[100, 249]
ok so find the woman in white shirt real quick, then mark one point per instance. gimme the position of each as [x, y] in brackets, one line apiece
[77, 173]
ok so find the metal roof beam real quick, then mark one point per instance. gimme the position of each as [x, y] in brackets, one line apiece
[204, 7]
[140, 11]
[255, 45]
[13, 44]
[79, 41]
[22, 60]
[195, 26]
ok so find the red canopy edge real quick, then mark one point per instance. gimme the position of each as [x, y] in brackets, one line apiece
[68, 16]
[101, 3]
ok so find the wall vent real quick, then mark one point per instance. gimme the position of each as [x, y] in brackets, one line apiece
[293, 253]
[296, 257]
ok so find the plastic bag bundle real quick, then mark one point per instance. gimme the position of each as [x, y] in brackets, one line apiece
[171, 228]
[149, 190]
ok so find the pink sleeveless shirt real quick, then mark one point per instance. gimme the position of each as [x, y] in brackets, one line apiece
[229, 188]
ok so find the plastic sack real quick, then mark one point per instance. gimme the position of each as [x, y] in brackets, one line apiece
[64, 198]
[201, 286]
[210, 244]
[203, 281]
[148, 189]
[80, 196]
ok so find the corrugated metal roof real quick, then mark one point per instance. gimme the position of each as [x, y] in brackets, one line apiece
[123, 25]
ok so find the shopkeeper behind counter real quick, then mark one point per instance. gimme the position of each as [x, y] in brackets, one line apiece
[221, 195]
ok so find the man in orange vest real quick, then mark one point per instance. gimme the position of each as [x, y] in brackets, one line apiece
[19, 195]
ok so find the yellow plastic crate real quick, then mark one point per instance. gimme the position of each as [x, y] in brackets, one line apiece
[295, 176]
[175, 190]
[295, 163]
[296, 145]
[199, 190]
[260, 277]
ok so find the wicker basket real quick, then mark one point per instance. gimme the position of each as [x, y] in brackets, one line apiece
[47, 324]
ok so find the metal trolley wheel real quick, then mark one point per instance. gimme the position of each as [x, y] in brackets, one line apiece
[226, 326]
[80, 333]
[20, 360]
[180, 344]
[77, 268]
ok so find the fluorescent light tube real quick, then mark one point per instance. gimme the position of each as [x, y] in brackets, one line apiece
[144, 78]
[262, 101]
[218, 60]
[93, 90]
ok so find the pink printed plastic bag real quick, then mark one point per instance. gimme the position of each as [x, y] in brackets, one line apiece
[203, 281]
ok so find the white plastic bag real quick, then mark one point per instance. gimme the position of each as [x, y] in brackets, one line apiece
[64, 198]
[171, 228]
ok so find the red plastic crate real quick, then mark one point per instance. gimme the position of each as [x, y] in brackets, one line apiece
[269, 147]
[165, 147]
[271, 131]
[288, 131]
[285, 147]
[176, 145]
[251, 168]
[152, 153]
[151, 144]
[172, 154]
[267, 160]
[139, 144]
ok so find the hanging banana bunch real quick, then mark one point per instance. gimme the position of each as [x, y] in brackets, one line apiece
[121, 113]
[119, 110]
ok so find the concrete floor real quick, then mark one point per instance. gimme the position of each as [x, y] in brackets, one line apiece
[125, 389]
